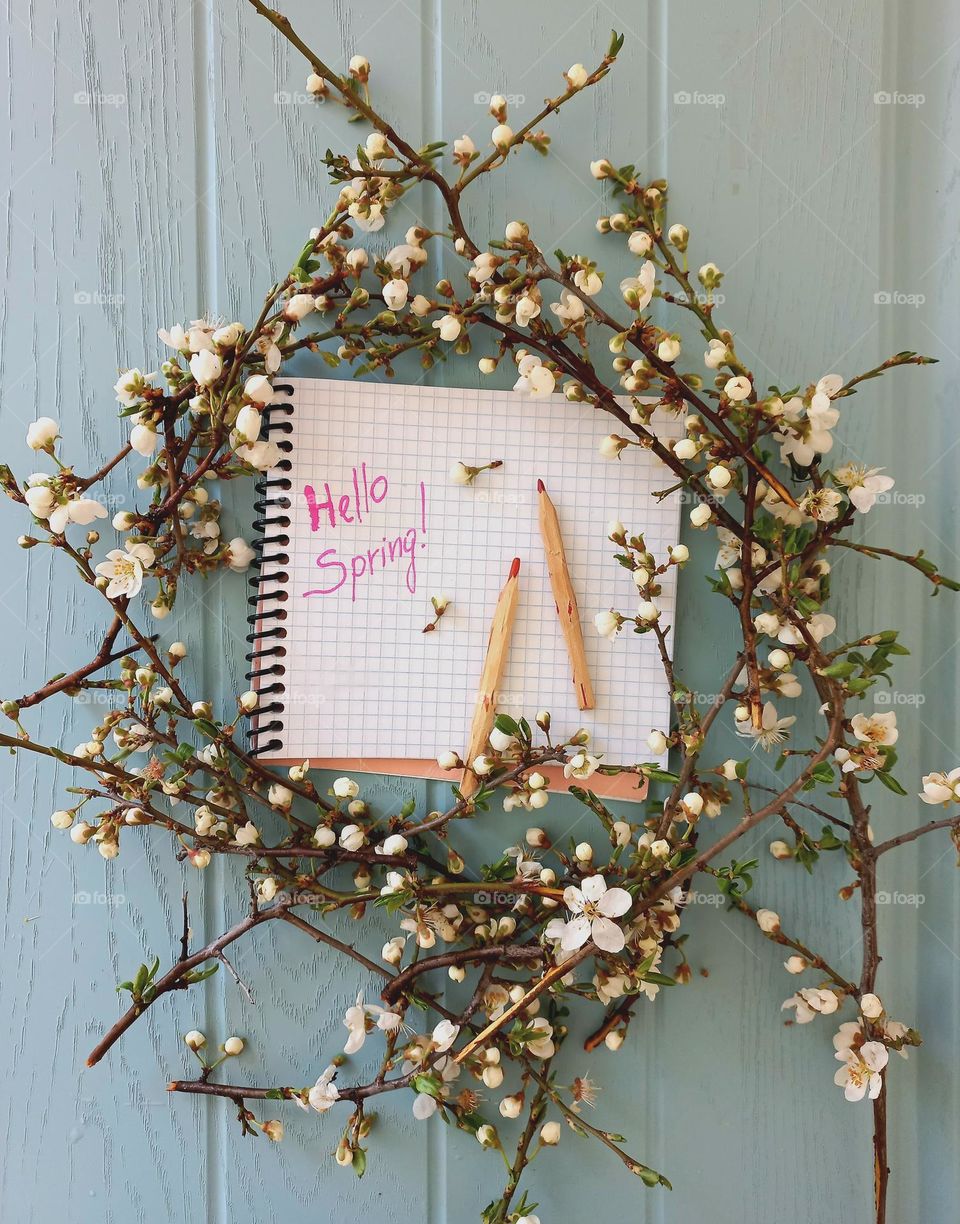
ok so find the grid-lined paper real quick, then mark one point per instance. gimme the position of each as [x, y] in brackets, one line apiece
[362, 679]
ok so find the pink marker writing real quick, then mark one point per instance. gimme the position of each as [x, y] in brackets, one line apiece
[344, 507]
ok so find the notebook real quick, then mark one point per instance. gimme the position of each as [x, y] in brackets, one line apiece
[361, 524]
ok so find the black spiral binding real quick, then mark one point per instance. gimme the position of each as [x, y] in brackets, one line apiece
[267, 614]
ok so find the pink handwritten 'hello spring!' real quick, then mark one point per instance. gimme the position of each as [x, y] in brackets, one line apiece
[347, 509]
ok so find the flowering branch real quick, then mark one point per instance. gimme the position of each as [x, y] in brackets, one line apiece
[546, 927]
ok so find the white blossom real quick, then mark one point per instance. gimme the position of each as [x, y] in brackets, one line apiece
[240, 555]
[81, 510]
[449, 327]
[346, 788]
[811, 1002]
[717, 354]
[259, 390]
[125, 569]
[638, 290]
[395, 294]
[640, 242]
[863, 484]
[352, 837]
[876, 728]
[570, 308]
[737, 388]
[206, 367]
[143, 438]
[594, 907]
[42, 434]
[860, 1074]
[444, 1035]
[772, 730]
[581, 766]
[324, 1094]
[130, 387]
[941, 788]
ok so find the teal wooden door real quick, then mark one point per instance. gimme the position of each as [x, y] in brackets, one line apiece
[162, 161]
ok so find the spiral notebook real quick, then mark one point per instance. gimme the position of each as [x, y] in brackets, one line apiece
[361, 524]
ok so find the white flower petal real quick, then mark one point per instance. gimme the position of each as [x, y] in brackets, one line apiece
[614, 902]
[576, 933]
[607, 935]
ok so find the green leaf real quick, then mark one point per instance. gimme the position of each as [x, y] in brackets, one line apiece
[839, 670]
[891, 783]
[427, 1083]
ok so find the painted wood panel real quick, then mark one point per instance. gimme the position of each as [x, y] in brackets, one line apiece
[194, 192]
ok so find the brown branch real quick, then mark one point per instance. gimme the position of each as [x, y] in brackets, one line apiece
[171, 980]
[500, 953]
[951, 822]
[104, 656]
[322, 937]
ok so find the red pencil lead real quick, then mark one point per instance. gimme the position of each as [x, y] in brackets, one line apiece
[541, 487]
[515, 568]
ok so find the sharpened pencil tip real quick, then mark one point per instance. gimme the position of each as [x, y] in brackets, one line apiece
[541, 487]
[515, 568]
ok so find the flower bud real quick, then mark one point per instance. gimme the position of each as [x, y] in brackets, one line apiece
[870, 1007]
[345, 788]
[678, 236]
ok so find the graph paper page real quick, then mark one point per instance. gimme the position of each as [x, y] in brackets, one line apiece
[378, 526]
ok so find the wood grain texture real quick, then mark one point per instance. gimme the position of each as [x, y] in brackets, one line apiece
[194, 192]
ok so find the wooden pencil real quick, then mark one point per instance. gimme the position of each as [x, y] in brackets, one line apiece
[565, 598]
[486, 708]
